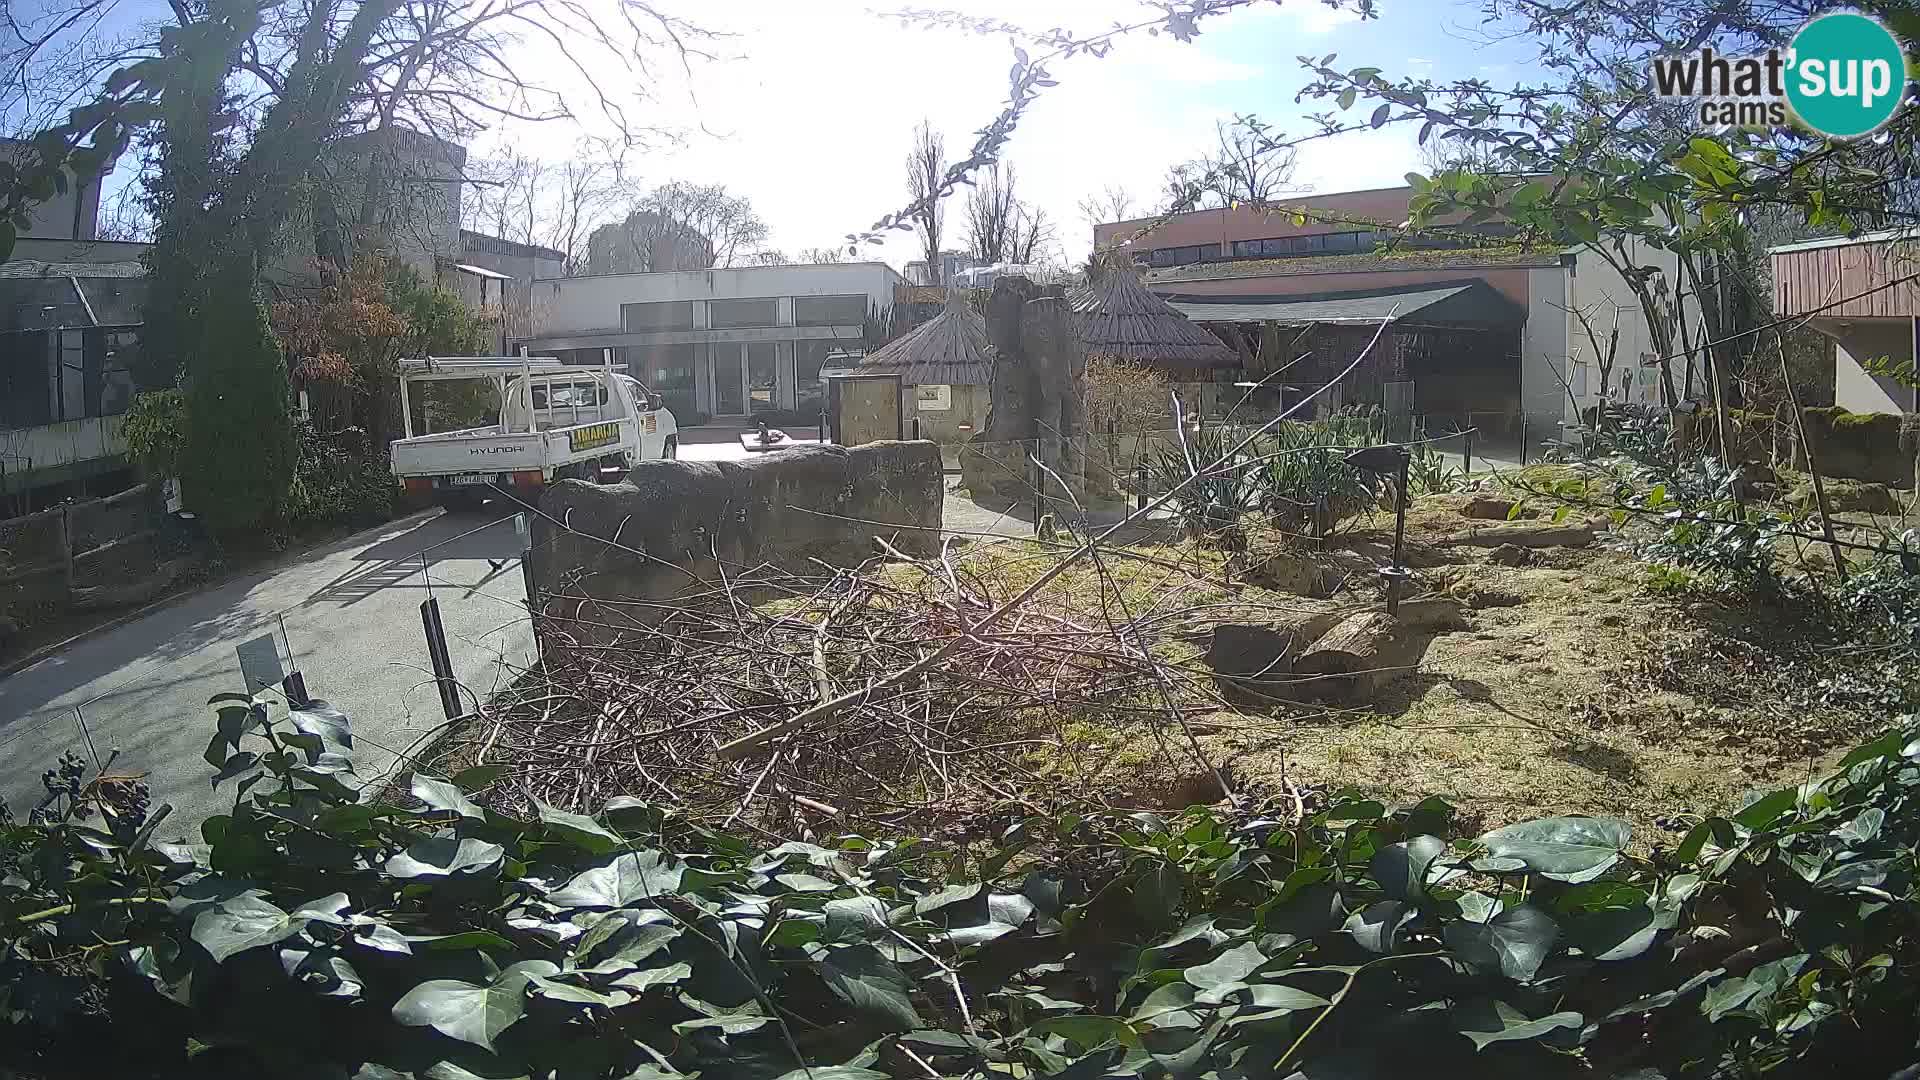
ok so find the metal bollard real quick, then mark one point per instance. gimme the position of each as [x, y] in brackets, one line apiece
[916, 429]
[823, 425]
[1140, 486]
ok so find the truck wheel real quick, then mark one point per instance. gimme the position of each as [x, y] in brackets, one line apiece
[670, 450]
[457, 501]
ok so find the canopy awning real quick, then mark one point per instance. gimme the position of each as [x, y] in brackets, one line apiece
[1462, 302]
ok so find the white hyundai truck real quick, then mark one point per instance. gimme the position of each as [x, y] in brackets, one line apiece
[556, 421]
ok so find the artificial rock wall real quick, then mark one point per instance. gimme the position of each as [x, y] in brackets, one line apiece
[675, 528]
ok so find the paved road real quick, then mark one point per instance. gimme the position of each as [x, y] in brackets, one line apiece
[351, 611]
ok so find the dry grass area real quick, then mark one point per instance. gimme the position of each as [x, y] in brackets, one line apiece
[1575, 686]
[1569, 684]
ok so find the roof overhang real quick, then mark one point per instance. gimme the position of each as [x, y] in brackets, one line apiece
[1466, 303]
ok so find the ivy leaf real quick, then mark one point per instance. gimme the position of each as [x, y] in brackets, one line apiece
[321, 719]
[873, 985]
[1614, 933]
[444, 856]
[629, 879]
[1231, 966]
[857, 918]
[580, 830]
[1487, 1021]
[652, 977]
[1377, 926]
[1513, 943]
[1401, 869]
[440, 795]
[731, 1024]
[1570, 849]
[242, 923]
[1090, 1032]
[834, 1072]
[470, 1012]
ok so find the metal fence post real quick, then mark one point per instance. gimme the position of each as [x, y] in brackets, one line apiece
[1467, 452]
[1039, 488]
[1523, 442]
[438, 657]
[1140, 488]
[916, 429]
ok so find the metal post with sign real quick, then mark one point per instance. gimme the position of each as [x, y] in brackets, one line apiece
[1390, 460]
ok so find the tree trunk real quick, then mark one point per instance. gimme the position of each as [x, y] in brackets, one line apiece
[1358, 657]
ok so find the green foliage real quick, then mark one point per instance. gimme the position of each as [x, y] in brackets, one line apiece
[238, 462]
[338, 480]
[1291, 471]
[156, 431]
[324, 929]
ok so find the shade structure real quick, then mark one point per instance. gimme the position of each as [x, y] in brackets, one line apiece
[1119, 316]
[950, 348]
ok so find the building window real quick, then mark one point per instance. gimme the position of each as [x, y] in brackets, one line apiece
[666, 370]
[669, 315]
[843, 310]
[809, 356]
[734, 314]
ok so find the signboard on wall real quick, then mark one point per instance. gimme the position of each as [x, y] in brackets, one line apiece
[936, 397]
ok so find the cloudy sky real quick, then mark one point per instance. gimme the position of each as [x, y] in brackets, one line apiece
[810, 110]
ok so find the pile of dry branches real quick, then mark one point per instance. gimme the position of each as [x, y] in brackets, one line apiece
[989, 726]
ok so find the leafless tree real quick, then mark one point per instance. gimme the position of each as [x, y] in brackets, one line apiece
[528, 201]
[684, 217]
[1439, 155]
[993, 215]
[926, 172]
[1033, 236]
[819, 255]
[1112, 203]
[1244, 167]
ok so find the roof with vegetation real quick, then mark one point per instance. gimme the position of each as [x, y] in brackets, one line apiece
[1119, 316]
[1505, 255]
[950, 348]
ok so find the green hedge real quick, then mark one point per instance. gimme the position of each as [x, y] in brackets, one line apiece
[326, 933]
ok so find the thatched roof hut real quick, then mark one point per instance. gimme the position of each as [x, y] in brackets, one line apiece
[1120, 317]
[949, 348]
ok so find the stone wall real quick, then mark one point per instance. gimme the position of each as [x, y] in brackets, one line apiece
[1877, 448]
[675, 527]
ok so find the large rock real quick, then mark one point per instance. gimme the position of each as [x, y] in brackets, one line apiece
[678, 527]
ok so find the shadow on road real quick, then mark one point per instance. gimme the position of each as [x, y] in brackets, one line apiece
[397, 561]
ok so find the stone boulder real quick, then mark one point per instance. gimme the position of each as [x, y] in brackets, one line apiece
[678, 527]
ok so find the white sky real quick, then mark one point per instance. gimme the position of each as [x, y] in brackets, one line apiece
[811, 114]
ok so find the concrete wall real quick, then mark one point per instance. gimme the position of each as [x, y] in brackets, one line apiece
[1860, 340]
[673, 527]
[35, 450]
[1543, 352]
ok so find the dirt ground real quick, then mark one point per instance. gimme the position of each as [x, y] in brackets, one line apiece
[1576, 686]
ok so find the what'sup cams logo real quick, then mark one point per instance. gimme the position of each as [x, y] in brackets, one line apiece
[1843, 76]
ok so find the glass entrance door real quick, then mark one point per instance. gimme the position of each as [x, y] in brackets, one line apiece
[729, 384]
[761, 381]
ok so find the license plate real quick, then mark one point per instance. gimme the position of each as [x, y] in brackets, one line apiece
[468, 479]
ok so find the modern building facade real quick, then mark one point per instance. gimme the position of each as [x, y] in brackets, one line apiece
[1341, 259]
[1861, 292]
[742, 342]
